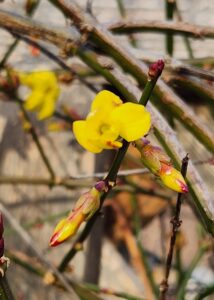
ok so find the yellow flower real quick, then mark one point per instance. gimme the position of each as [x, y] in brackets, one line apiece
[109, 119]
[44, 92]
[84, 209]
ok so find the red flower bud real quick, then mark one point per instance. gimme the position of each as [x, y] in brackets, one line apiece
[156, 69]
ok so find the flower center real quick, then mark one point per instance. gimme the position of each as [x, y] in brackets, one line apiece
[104, 128]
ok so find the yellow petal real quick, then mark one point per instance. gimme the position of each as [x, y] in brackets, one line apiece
[105, 101]
[81, 133]
[133, 119]
[47, 110]
[66, 229]
[60, 225]
[40, 79]
[34, 100]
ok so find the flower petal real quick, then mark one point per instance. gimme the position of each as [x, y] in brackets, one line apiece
[133, 119]
[105, 101]
[81, 133]
[34, 100]
[48, 107]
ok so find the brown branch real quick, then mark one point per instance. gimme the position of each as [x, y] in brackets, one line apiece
[50, 33]
[176, 223]
[180, 28]
[57, 181]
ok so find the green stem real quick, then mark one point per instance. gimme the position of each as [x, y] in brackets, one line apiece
[122, 11]
[16, 41]
[26, 265]
[170, 5]
[187, 274]
[8, 53]
[185, 38]
[5, 291]
[137, 226]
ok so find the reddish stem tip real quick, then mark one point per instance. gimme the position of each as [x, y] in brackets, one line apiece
[156, 69]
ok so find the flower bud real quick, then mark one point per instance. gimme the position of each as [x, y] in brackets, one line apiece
[172, 178]
[151, 156]
[84, 209]
[156, 69]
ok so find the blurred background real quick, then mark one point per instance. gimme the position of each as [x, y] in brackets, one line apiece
[138, 199]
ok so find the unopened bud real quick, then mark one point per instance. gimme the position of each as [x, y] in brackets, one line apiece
[156, 69]
[172, 178]
[151, 156]
[84, 209]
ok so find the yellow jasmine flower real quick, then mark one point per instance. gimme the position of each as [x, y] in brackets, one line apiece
[85, 208]
[109, 118]
[44, 92]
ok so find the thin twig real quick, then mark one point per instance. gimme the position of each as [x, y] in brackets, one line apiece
[122, 10]
[188, 272]
[169, 12]
[141, 250]
[5, 290]
[185, 38]
[176, 222]
[24, 26]
[180, 28]
[37, 142]
[56, 59]
[30, 12]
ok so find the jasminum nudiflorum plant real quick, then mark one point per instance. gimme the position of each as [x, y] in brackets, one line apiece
[44, 92]
[108, 121]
